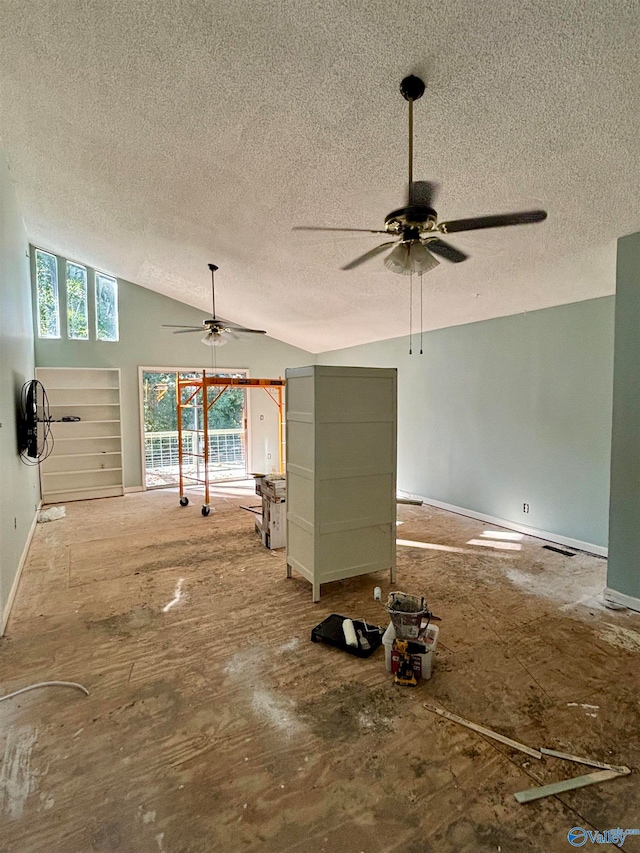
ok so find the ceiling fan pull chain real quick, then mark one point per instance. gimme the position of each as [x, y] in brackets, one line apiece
[410, 313]
[421, 323]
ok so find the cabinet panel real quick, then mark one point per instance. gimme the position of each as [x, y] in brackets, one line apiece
[354, 552]
[336, 400]
[353, 502]
[300, 445]
[346, 449]
[302, 490]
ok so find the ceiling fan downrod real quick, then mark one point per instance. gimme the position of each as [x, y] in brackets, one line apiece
[213, 268]
[412, 89]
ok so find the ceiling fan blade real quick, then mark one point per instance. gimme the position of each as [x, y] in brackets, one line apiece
[313, 228]
[368, 255]
[165, 326]
[189, 331]
[234, 327]
[497, 221]
[423, 192]
[446, 250]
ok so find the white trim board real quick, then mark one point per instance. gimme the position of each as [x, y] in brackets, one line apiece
[23, 559]
[621, 598]
[589, 547]
[129, 489]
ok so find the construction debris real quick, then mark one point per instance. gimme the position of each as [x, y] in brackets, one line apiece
[607, 771]
[484, 731]
[619, 768]
[567, 785]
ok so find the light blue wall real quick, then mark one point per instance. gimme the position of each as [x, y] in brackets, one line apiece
[508, 411]
[19, 486]
[624, 549]
[143, 342]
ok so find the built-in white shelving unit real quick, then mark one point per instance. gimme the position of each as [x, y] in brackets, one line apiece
[87, 455]
[341, 472]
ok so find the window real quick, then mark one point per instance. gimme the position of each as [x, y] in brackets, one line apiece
[106, 307]
[47, 290]
[82, 313]
[77, 312]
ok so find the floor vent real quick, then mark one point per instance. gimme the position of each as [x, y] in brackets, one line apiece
[559, 551]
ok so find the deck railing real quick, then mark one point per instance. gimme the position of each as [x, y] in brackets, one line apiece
[226, 448]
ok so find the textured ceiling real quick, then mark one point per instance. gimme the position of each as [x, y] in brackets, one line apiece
[149, 138]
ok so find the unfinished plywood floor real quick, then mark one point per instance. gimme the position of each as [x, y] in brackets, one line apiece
[214, 724]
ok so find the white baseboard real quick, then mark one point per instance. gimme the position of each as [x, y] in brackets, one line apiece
[621, 598]
[23, 559]
[589, 547]
[129, 489]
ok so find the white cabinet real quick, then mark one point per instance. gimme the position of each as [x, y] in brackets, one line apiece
[341, 472]
[86, 461]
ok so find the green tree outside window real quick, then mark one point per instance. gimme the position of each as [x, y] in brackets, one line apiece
[47, 292]
[77, 311]
[106, 307]
[160, 407]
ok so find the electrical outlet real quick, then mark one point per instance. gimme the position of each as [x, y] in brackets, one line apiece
[525, 507]
[268, 456]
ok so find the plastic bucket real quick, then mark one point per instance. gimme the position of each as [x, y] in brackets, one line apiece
[407, 613]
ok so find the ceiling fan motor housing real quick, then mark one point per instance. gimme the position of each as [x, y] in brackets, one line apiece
[418, 216]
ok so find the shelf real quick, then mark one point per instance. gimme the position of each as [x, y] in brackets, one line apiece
[93, 453]
[78, 471]
[81, 447]
[85, 438]
[80, 387]
[78, 405]
[68, 494]
[111, 421]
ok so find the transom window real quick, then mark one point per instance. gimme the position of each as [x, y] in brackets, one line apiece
[77, 307]
[48, 308]
[87, 292]
[106, 308]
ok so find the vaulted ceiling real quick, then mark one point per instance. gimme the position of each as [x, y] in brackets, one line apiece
[149, 138]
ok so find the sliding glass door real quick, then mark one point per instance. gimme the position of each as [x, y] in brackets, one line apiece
[227, 429]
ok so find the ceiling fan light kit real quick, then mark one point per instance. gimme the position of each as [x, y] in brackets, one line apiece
[408, 258]
[214, 339]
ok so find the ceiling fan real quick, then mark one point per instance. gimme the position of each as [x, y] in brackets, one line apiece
[216, 332]
[415, 228]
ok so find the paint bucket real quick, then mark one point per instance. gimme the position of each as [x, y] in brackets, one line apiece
[407, 614]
